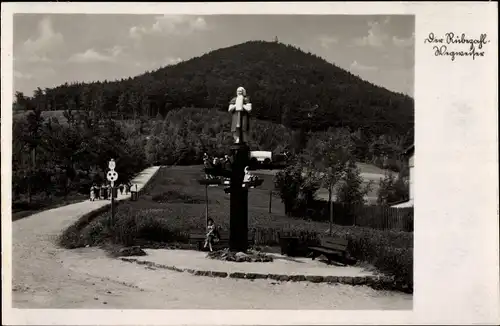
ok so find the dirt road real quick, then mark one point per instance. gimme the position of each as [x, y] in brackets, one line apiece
[45, 276]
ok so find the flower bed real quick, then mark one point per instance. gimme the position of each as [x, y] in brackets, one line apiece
[251, 256]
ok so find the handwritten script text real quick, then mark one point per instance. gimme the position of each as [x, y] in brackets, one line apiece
[454, 45]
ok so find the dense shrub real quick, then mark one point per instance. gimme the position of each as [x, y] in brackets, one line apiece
[389, 251]
[81, 233]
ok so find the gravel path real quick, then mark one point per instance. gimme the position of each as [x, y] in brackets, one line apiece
[45, 276]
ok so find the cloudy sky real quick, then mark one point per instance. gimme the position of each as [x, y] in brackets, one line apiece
[50, 49]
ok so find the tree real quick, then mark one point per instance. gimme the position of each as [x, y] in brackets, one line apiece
[299, 141]
[288, 182]
[297, 185]
[69, 113]
[392, 190]
[21, 102]
[351, 190]
[33, 139]
[309, 185]
[329, 154]
[134, 102]
[20, 165]
[286, 116]
[40, 99]
[122, 104]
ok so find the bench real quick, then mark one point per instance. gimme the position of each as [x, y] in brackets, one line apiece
[333, 249]
[199, 239]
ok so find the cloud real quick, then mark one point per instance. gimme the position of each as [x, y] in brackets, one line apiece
[45, 42]
[360, 67]
[170, 24]
[92, 55]
[32, 58]
[20, 75]
[376, 37]
[327, 40]
[167, 61]
[116, 51]
[39, 72]
[136, 32]
[156, 64]
[172, 61]
[403, 42]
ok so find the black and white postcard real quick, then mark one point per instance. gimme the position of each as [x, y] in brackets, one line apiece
[249, 163]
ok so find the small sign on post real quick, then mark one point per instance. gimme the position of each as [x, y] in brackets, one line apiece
[112, 164]
[112, 176]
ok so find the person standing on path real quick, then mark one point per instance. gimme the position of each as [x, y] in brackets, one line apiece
[92, 193]
[104, 192]
[96, 191]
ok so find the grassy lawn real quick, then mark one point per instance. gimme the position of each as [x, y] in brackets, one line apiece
[175, 198]
[173, 205]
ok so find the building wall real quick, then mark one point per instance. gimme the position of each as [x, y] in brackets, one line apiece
[411, 165]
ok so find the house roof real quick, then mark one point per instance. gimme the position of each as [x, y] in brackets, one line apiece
[405, 204]
[398, 202]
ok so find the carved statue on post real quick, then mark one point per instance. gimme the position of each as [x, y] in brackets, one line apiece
[240, 108]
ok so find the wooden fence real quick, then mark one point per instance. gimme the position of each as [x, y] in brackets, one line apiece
[270, 236]
[377, 217]
[373, 216]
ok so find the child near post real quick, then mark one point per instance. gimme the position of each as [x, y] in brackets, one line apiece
[212, 236]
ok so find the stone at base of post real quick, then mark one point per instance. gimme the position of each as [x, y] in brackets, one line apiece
[238, 236]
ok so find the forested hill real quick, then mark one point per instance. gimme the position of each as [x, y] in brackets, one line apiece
[285, 84]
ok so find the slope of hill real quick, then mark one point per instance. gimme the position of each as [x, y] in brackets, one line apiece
[286, 85]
